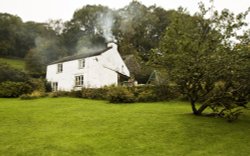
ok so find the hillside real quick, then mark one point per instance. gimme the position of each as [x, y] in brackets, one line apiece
[69, 126]
[16, 63]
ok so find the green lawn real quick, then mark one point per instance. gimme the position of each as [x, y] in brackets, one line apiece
[70, 126]
[16, 63]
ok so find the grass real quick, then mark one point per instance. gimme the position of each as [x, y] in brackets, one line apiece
[16, 63]
[69, 126]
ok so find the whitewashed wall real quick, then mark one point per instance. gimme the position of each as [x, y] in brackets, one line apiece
[99, 71]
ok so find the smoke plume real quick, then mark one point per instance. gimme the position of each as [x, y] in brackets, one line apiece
[105, 22]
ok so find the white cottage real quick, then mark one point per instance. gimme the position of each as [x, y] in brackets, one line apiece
[95, 70]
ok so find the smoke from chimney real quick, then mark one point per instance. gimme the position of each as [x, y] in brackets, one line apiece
[105, 22]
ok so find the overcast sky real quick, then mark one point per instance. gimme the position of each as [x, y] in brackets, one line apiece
[42, 10]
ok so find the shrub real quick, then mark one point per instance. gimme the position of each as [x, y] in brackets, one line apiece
[147, 96]
[95, 93]
[48, 87]
[149, 93]
[38, 84]
[120, 95]
[77, 94]
[14, 89]
[8, 73]
[60, 94]
[27, 97]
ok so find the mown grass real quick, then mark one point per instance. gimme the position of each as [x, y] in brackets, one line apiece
[16, 63]
[69, 126]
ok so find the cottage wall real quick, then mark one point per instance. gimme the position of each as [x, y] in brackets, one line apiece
[99, 71]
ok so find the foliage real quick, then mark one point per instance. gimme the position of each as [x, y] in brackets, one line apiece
[62, 94]
[48, 87]
[147, 96]
[14, 89]
[47, 50]
[83, 29]
[34, 95]
[38, 84]
[27, 97]
[8, 73]
[120, 95]
[95, 93]
[198, 52]
[150, 93]
[137, 34]
[11, 35]
[77, 93]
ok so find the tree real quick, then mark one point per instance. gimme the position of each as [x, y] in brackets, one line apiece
[84, 27]
[10, 35]
[9, 73]
[199, 56]
[46, 51]
[137, 34]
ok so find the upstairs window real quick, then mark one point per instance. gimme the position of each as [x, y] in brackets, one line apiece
[81, 63]
[59, 68]
[79, 80]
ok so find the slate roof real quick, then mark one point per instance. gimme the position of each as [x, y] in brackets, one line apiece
[80, 56]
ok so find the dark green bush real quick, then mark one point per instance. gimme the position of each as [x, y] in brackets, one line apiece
[146, 93]
[61, 94]
[147, 96]
[34, 95]
[150, 93]
[95, 93]
[38, 84]
[8, 73]
[48, 87]
[27, 97]
[77, 94]
[14, 89]
[120, 95]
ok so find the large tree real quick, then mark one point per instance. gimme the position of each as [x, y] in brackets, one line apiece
[83, 29]
[202, 59]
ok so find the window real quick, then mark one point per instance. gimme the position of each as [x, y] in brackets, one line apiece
[54, 86]
[59, 68]
[81, 63]
[79, 80]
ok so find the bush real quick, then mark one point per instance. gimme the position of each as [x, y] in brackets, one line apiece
[114, 94]
[8, 73]
[60, 94]
[38, 84]
[14, 89]
[26, 97]
[120, 95]
[147, 96]
[95, 93]
[150, 93]
[48, 87]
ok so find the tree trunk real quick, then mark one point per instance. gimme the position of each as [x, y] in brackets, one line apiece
[200, 110]
[193, 107]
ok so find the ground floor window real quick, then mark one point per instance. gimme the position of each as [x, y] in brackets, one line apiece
[79, 80]
[54, 86]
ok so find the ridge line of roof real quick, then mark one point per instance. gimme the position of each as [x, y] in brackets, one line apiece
[75, 57]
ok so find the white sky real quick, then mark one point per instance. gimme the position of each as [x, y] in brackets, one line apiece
[42, 10]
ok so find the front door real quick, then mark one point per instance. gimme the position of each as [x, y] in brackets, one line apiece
[54, 86]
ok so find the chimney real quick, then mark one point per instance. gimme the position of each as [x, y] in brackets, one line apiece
[112, 44]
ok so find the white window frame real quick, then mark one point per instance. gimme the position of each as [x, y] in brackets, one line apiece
[79, 80]
[59, 68]
[81, 63]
